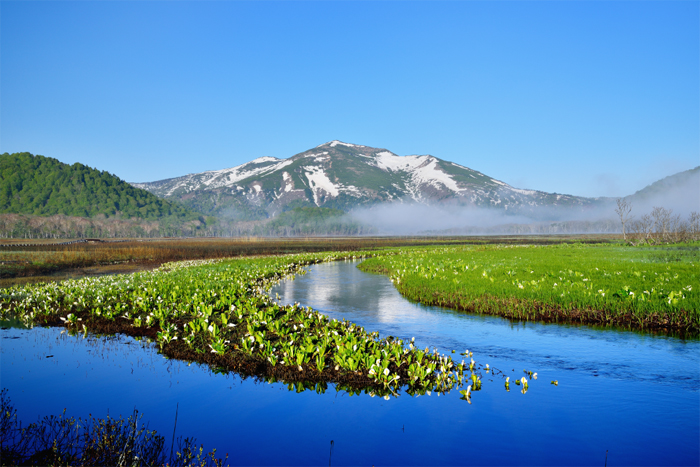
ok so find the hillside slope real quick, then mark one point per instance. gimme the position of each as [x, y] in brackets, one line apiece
[680, 192]
[43, 186]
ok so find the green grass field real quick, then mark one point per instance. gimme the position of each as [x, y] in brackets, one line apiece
[643, 288]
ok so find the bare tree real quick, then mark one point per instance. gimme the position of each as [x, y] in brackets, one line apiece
[662, 221]
[694, 226]
[623, 210]
[646, 226]
[675, 227]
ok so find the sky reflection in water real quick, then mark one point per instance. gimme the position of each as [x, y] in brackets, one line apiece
[632, 394]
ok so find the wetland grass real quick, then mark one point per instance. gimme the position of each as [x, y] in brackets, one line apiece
[570, 283]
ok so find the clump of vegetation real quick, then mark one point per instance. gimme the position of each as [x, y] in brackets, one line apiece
[218, 313]
[564, 283]
[61, 440]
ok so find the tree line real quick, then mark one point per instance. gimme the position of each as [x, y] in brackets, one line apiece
[61, 226]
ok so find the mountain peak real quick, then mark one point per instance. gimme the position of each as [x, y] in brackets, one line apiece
[335, 143]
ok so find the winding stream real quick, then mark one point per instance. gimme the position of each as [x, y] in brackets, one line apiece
[634, 395]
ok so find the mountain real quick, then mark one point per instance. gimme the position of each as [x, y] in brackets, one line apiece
[345, 176]
[33, 187]
[680, 191]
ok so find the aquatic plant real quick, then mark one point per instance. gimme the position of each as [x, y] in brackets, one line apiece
[218, 312]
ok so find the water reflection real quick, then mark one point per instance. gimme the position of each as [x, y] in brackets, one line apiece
[633, 395]
[340, 290]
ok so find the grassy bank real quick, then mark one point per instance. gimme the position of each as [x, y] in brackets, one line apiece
[217, 312]
[653, 288]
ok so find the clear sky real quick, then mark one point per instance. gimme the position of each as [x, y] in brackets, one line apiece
[588, 98]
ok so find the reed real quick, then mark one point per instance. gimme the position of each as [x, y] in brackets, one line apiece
[61, 440]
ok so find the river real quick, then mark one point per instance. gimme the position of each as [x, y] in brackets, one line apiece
[631, 396]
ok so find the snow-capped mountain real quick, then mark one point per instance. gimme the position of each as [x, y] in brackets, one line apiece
[343, 176]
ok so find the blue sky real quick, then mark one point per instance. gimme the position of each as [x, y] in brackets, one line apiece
[587, 98]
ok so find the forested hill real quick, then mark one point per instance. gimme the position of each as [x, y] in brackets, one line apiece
[44, 186]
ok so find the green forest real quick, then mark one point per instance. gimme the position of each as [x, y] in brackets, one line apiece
[44, 186]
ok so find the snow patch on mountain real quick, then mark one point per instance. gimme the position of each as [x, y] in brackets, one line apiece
[227, 177]
[335, 142]
[523, 192]
[429, 173]
[260, 160]
[391, 162]
[320, 183]
[353, 190]
[288, 182]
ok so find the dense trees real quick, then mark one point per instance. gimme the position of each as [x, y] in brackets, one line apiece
[44, 186]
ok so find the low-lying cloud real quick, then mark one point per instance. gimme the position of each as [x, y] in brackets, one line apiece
[681, 195]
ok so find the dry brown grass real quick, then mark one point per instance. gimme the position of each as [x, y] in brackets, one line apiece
[37, 258]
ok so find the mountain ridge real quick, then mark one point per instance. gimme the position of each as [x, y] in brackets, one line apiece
[345, 176]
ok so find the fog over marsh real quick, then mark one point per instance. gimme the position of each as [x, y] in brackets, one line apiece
[679, 193]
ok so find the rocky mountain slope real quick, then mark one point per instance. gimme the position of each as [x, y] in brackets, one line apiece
[345, 176]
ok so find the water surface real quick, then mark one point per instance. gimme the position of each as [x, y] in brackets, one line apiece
[632, 394]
